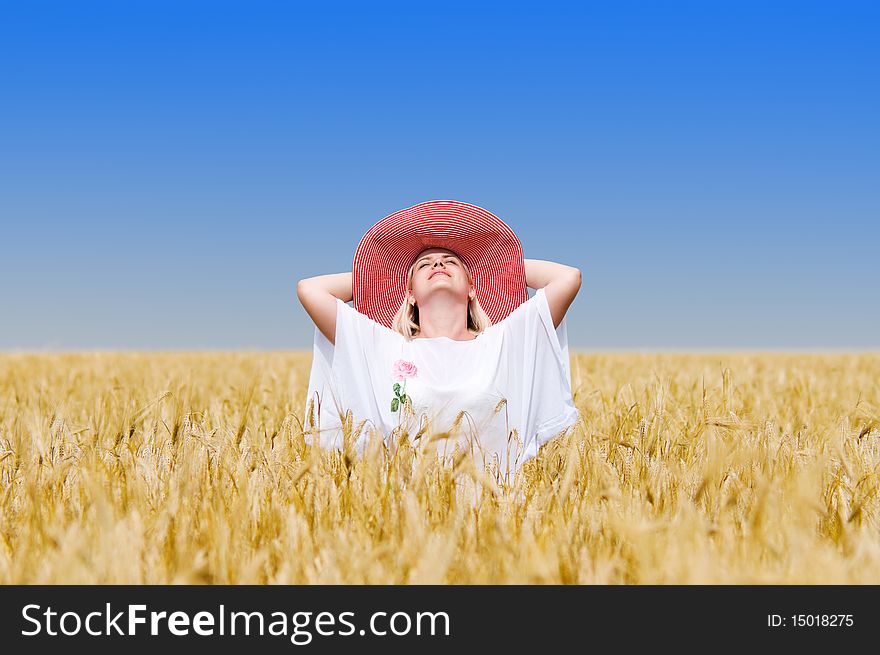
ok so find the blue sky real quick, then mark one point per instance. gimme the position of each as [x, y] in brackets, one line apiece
[169, 170]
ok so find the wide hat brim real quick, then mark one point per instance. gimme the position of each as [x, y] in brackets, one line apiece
[486, 244]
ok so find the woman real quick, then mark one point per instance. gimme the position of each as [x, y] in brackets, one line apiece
[443, 341]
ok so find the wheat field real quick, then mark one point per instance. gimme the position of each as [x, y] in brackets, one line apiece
[192, 468]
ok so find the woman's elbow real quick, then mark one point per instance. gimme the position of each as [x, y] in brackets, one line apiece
[575, 277]
[303, 286]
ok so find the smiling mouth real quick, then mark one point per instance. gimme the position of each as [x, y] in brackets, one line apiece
[439, 273]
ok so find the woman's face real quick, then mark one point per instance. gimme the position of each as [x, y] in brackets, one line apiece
[438, 270]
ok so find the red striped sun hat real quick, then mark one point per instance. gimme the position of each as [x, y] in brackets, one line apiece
[483, 241]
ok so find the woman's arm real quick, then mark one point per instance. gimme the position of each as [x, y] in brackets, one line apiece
[561, 284]
[318, 297]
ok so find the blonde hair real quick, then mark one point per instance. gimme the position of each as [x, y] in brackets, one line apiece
[406, 321]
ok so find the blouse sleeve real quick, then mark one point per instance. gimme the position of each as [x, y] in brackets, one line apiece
[343, 375]
[539, 371]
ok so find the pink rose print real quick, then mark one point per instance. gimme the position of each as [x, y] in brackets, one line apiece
[403, 369]
[400, 371]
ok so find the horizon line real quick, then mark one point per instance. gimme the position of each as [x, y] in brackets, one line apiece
[839, 350]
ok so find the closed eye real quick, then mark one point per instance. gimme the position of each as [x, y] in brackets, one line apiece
[448, 261]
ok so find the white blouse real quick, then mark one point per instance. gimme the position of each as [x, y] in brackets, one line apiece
[510, 388]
